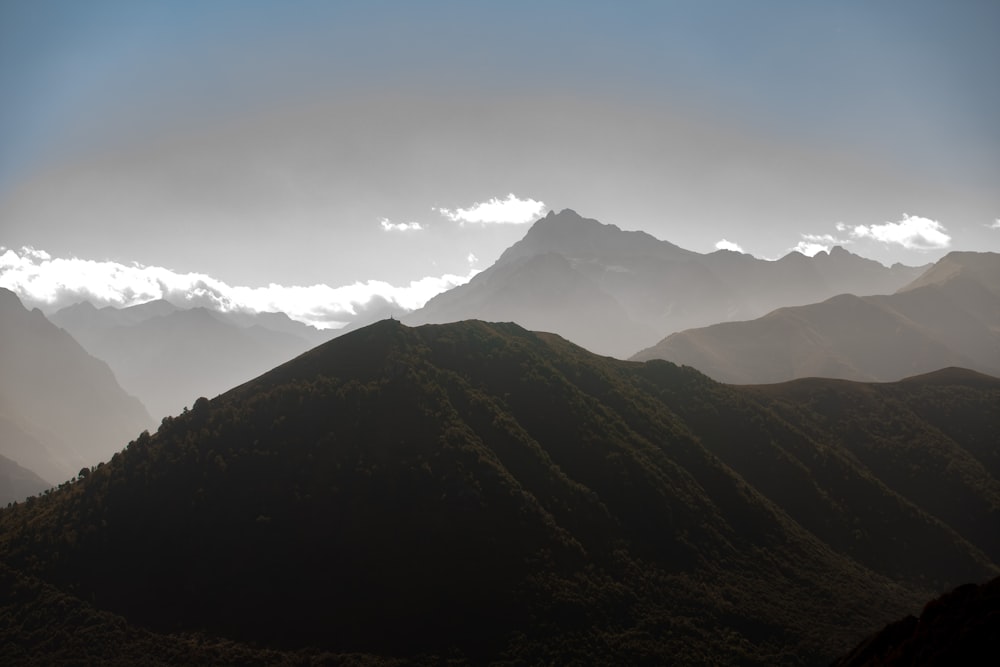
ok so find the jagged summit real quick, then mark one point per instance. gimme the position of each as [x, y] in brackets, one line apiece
[616, 291]
[574, 236]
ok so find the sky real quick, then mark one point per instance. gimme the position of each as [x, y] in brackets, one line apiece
[311, 156]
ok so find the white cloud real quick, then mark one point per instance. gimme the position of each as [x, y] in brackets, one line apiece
[995, 225]
[728, 245]
[809, 248]
[41, 280]
[912, 232]
[472, 259]
[399, 226]
[508, 211]
[816, 243]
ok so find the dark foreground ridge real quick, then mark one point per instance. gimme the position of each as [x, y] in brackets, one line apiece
[480, 493]
[960, 628]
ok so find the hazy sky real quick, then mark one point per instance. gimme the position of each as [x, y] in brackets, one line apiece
[350, 146]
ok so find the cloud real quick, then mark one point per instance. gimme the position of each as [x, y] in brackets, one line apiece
[912, 232]
[471, 259]
[52, 283]
[809, 249]
[816, 243]
[399, 226]
[995, 225]
[728, 245]
[512, 211]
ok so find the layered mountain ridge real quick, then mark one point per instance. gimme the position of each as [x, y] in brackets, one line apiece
[488, 494]
[60, 408]
[168, 356]
[616, 292]
[949, 316]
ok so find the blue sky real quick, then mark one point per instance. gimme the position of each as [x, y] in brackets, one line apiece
[266, 142]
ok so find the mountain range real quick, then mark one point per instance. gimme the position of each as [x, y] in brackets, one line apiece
[616, 292]
[60, 408]
[168, 356]
[480, 493]
[948, 316]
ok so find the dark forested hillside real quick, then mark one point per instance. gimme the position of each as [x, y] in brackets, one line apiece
[477, 492]
[959, 628]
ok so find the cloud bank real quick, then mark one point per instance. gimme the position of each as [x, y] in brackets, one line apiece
[52, 283]
[912, 232]
[512, 211]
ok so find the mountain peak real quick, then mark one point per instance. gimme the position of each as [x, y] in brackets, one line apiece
[576, 237]
[8, 298]
[565, 213]
[980, 267]
[564, 219]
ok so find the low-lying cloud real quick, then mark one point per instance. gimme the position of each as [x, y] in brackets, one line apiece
[816, 243]
[511, 211]
[728, 245]
[912, 232]
[52, 283]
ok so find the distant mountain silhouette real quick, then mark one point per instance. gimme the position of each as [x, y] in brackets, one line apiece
[949, 316]
[615, 292]
[168, 356]
[959, 628]
[17, 482]
[479, 493]
[60, 408]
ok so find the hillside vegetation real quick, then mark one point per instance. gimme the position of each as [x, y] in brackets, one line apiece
[480, 493]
